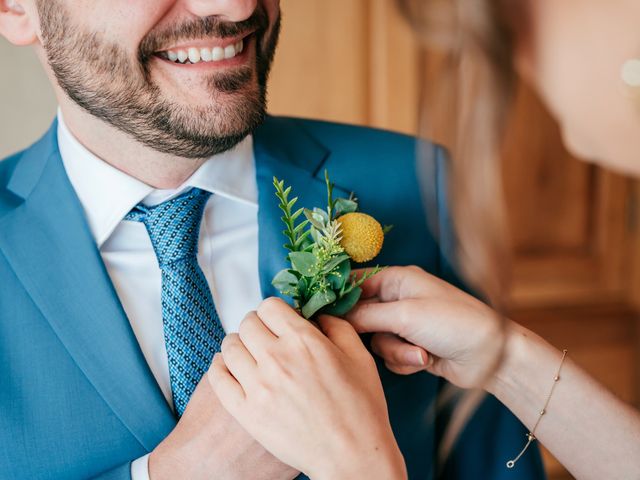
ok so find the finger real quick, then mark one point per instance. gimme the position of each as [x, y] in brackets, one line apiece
[386, 285]
[395, 350]
[239, 361]
[377, 317]
[342, 334]
[255, 335]
[402, 369]
[225, 386]
[279, 317]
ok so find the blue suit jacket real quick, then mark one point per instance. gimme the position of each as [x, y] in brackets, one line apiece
[77, 399]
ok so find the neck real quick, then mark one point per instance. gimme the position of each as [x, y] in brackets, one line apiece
[123, 152]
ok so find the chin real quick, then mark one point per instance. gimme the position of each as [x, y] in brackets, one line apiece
[618, 160]
[579, 146]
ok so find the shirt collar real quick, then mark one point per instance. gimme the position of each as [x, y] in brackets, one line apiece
[108, 194]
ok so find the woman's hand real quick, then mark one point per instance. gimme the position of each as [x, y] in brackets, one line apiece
[314, 401]
[423, 323]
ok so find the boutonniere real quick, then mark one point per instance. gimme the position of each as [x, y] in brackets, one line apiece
[322, 245]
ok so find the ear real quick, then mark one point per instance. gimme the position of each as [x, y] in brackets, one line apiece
[18, 22]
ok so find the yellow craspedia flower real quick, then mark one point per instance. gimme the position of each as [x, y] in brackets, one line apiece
[362, 236]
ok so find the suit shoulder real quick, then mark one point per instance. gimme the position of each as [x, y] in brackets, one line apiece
[7, 167]
[345, 138]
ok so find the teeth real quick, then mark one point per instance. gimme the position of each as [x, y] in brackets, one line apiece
[217, 54]
[194, 55]
[229, 51]
[197, 55]
[205, 55]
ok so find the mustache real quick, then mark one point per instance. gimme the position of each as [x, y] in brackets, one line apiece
[201, 28]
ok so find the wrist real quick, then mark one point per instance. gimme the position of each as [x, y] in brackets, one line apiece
[522, 378]
[506, 373]
[166, 462]
[378, 462]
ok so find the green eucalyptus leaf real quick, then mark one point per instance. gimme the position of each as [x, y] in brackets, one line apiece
[314, 234]
[302, 287]
[320, 214]
[317, 301]
[333, 263]
[303, 263]
[340, 276]
[285, 281]
[344, 304]
[344, 206]
[313, 219]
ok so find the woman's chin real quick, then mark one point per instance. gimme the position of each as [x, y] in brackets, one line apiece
[622, 157]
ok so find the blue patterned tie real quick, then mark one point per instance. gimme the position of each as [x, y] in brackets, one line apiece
[192, 329]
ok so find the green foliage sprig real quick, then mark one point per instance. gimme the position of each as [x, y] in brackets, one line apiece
[320, 279]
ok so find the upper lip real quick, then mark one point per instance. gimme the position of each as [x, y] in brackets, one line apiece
[207, 43]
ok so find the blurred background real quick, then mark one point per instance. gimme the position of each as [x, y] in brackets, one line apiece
[575, 227]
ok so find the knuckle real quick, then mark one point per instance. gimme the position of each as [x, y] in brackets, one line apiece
[404, 315]
[281, 372]
[269, 306]
[413, 269]
[264, 393]
[246, 323]
[302, 344]
[230, 342]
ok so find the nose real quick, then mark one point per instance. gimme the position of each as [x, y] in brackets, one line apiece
[229, 10]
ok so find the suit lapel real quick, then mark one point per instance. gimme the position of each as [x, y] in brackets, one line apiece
[49, 246]
[286, 151]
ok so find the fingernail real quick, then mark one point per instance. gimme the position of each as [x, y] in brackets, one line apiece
[415, 358]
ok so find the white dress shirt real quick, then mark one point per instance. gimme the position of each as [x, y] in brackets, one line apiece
[227, 248]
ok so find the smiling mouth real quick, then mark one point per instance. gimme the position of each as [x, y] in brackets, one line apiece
[195, 54]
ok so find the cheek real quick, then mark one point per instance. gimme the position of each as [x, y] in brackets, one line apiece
[578, 77]
[124, 22]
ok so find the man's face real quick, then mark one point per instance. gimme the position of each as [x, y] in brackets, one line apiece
[187, 78]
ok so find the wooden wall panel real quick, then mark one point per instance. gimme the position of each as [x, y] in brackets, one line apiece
[394, 70]
[352, 62]
[321, 68]
[554, 193]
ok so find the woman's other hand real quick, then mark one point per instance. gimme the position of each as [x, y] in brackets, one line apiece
[314, 401]
[423, 323]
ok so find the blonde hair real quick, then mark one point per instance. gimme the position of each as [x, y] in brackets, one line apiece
[473, 44]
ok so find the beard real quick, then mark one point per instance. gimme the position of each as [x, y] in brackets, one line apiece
[102, 78]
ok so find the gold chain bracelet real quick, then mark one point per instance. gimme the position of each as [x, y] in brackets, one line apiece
[531, 435]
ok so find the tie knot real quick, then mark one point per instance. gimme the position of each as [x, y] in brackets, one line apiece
[174, 225]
